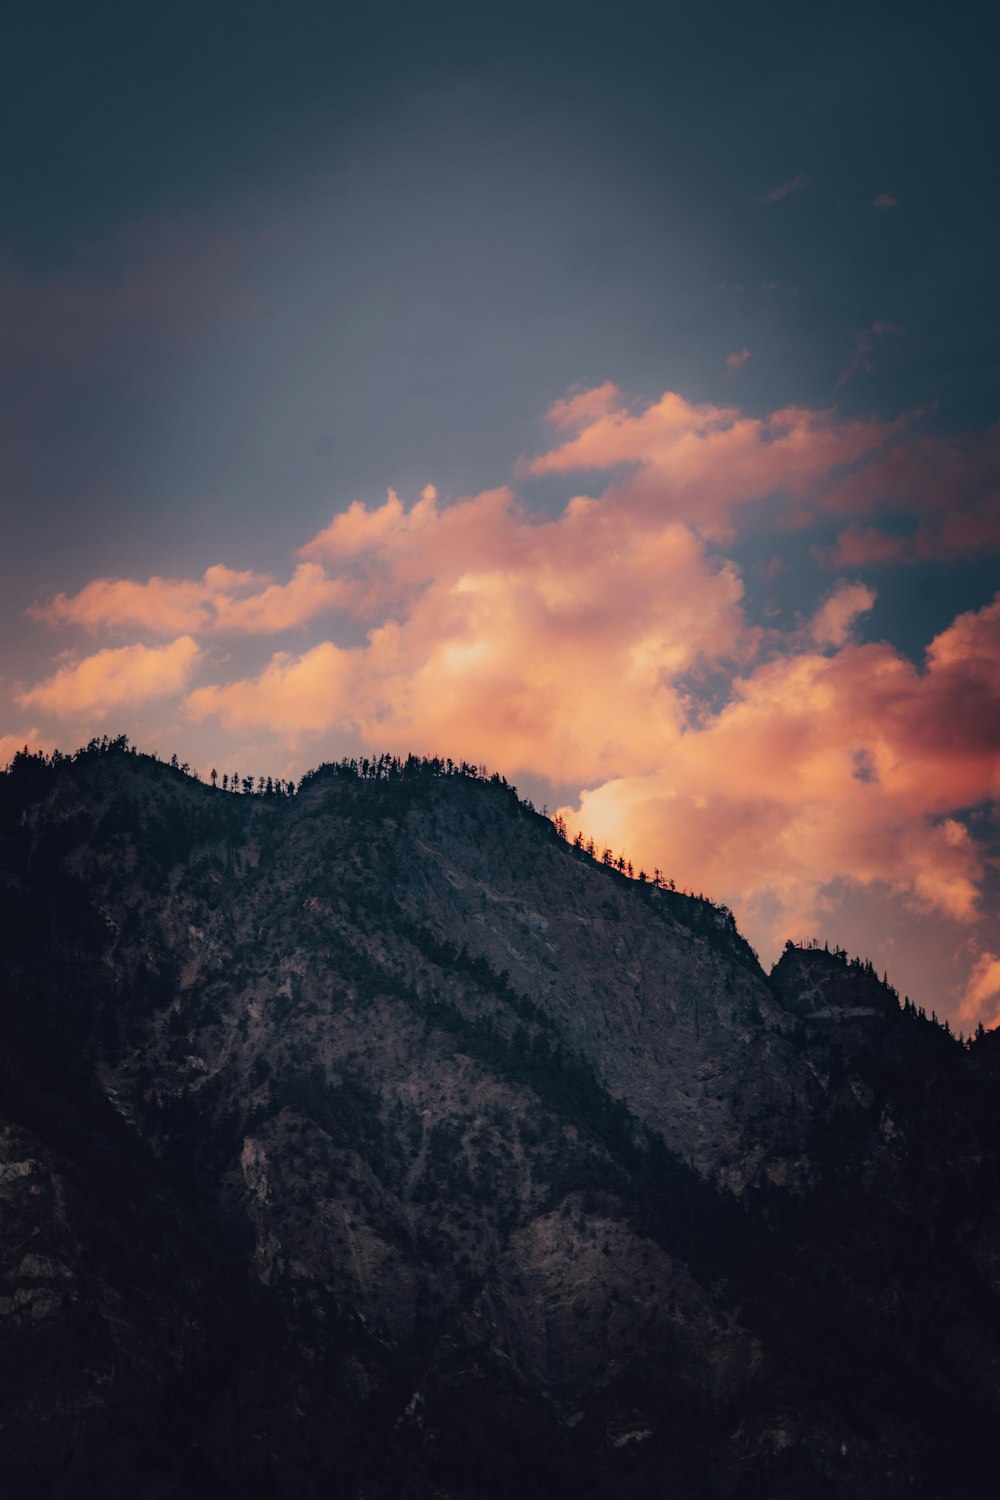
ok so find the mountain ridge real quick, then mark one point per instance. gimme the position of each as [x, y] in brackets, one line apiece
[391, 1074]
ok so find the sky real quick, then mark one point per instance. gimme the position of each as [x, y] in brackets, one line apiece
[605, 395]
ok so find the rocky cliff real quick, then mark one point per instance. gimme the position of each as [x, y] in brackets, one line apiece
[373, 1142]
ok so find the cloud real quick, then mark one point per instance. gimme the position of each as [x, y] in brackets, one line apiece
[735, 362]
[832, 622]
[505, 634]
[885, 200]
[701, 462]
[776, 194]
[940, 495]
[981, 996]
[222, 600]
[762, 802]
[115, 678]
[584, 405]
[293, 696]
[862, 358]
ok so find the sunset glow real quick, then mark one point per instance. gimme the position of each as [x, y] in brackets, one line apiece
[603, 648]
[563, 416]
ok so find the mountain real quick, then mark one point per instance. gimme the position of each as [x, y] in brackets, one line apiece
[374, 1142]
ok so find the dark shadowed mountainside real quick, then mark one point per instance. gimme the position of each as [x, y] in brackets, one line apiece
[373, 1142]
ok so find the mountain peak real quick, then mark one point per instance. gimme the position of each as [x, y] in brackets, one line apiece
[374, 1139]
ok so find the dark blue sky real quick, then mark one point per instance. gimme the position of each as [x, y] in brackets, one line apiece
[432, 219]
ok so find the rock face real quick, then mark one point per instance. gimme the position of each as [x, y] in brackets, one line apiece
[373, 1142]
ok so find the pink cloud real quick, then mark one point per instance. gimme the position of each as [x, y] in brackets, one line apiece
[885, 200]
[115, 678]
[980, 999]
[584, 407]
[500, 633]
[799, 816]
[221, 600]
[776, 194]
[294, 696]
[735, 362]
[698, 465]
[944, 490]
[833, 621]
[703, 462]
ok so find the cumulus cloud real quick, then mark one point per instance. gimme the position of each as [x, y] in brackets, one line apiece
[702, 462]
[293, 696]
[506, 635]
[762, 803]
[221, 600]
[113, 678]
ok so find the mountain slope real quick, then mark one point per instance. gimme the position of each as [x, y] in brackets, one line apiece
[373, 1141]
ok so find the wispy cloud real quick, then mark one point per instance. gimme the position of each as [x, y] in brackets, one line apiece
[735, 362]
[864, 347]
[885, 200]
[776, 194]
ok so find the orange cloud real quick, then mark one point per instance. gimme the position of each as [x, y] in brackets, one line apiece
[981, 996]
[702, 462]
[825, 768]
[584, 406]
[292, 697]
[221, 600]
[116, 678]
[832, 622]
[506, 634]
